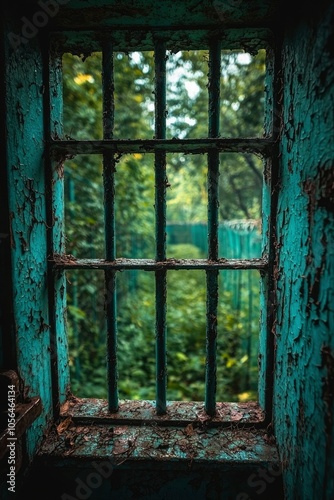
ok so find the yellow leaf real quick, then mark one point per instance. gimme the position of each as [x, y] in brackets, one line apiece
[83, 78]
[244, 396]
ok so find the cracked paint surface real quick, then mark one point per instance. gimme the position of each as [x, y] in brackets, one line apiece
[304, 370]
[24, 101]
[304, 378]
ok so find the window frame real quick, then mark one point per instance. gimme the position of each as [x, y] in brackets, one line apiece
[58, 150]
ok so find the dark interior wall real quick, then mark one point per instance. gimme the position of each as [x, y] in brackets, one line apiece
[304, 376]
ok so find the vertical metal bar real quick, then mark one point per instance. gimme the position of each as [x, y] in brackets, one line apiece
[212, 276]
[109, 220]
[268, 288]
[57, 296]
[213, 156]
[160, 227]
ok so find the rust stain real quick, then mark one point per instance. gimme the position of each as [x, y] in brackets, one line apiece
[315, 286]
[320, 191]
[327, 361]
[63, 259]
[326, 189]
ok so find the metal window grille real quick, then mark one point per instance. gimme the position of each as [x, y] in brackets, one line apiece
[109, 147]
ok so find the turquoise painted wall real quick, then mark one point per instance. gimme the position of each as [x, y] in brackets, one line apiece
[304, 377]
[304, 374]
[28, 228]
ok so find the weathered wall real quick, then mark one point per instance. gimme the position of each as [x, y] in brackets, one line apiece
[304, 378]
[25, 170]
[7, 343]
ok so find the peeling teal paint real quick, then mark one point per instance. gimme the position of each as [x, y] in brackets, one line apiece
[304, 394]
[303, 405]
[25, 148]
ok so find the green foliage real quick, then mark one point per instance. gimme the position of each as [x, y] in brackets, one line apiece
[134, 194]
[240, 185]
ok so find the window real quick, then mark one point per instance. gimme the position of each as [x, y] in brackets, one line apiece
[231, 162]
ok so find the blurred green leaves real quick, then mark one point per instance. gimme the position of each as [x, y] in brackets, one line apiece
[240, 186]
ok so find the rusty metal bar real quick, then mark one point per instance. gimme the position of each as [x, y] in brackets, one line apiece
[192, 146]
[55, 214]
[160, 227]
[212, 275]
[274, 66]
[69, 262]
[108, 158]
[109, 218]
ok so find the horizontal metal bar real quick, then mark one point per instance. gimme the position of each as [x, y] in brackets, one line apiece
[70, 262]
[61, 149]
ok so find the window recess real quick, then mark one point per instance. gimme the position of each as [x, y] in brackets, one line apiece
[236, 166]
